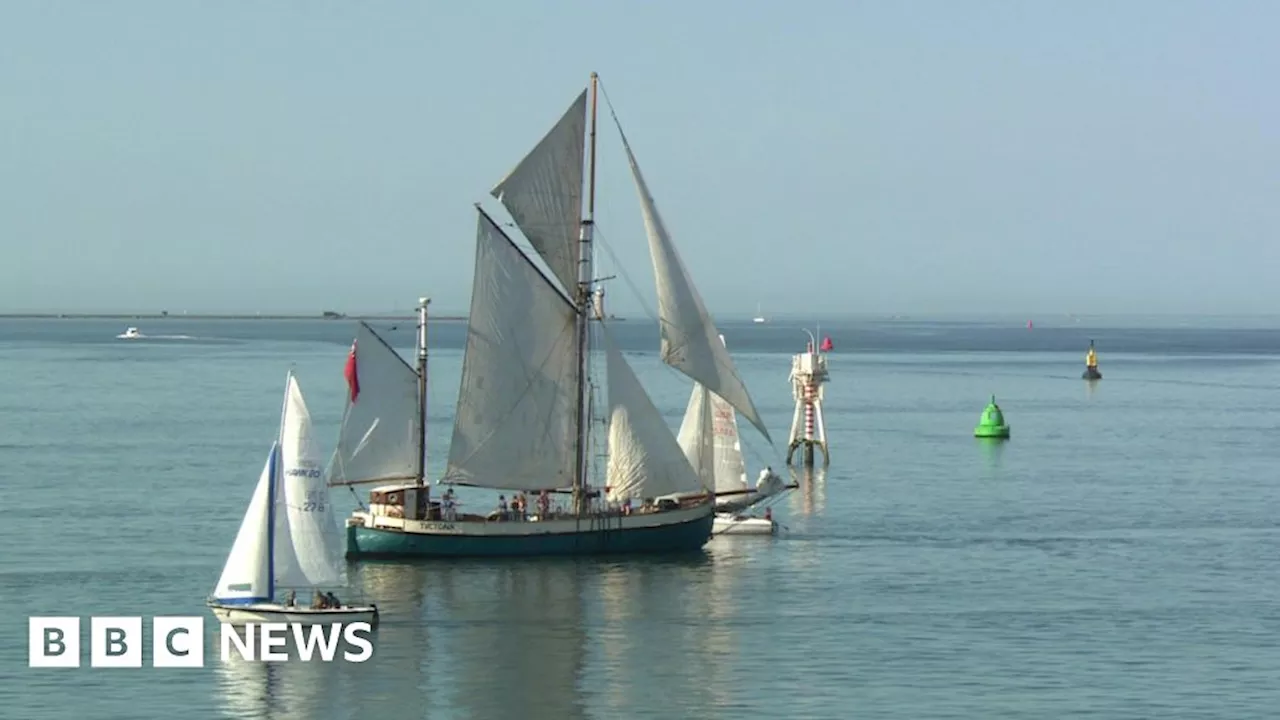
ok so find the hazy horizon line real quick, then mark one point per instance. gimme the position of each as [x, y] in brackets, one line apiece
[770, 317]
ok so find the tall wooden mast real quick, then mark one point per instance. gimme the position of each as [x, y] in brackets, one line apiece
[584, 300]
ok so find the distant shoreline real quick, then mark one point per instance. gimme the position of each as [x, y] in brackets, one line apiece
[213, 316]
[219, 316]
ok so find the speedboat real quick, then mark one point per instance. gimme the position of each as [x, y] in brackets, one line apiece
[730, 524]
[130, 334]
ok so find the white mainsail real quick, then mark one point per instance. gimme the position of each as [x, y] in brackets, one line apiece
[645, 461]
[515, 423]
[308, 546]
[381, 438]
[247, 573]
[543, 193]
[689, 337]
[709, 438]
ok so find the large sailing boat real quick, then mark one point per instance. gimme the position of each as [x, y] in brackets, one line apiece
[524, 416]
[288, 538]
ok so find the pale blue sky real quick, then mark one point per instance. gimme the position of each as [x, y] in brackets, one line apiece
[912, 157]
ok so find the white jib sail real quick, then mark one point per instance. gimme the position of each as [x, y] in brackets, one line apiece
[246, 574]
[690, 341]
[380, 435]
[645, 461]
[695, 436]
[543, 193]
[515, 425]
[308, 545]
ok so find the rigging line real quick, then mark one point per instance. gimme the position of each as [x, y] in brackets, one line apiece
[731, 368]
[626, 277]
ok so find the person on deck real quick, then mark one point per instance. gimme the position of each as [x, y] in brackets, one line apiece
[450, 506]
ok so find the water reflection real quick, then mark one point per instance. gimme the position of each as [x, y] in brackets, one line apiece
[287, 690]
[1090, 387]
[687, 603]
[811, 496]
[516, 640]
[400, 670]
[309, 689]
[511, 639]
[992, 450]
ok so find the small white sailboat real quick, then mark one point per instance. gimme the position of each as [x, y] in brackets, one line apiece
[709, 437]
[130, 334]
[759, 318]
[288, 538]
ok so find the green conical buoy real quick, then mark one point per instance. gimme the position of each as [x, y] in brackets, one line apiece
[992, 424]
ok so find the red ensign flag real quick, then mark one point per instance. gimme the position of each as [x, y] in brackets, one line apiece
[353, 379]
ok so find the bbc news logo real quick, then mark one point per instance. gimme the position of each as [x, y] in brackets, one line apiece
[178, 641]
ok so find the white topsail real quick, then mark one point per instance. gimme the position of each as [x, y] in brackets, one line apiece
[380, 439]
[515, 424]
[690, 340]
[308, 546]
[544, 193]
[645, 461]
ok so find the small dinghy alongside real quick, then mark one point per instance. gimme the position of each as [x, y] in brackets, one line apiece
[288, 538]
[730, 524]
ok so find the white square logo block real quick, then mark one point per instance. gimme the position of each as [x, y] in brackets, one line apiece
[177, 641]
[115, 642]
[53, 642]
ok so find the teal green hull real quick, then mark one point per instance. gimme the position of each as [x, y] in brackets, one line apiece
[385, 543]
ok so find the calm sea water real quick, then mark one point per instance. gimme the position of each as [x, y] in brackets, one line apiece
[1116, 559]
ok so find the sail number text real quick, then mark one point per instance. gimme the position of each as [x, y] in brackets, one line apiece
[315, 501]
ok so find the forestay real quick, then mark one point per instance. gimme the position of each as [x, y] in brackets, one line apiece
[308, 546]
[544, 194]
[645, 461]
[246, 576]
[689, 338]
[380, 437]
[514, 427]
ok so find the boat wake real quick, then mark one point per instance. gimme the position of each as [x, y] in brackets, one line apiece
[133, 334]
